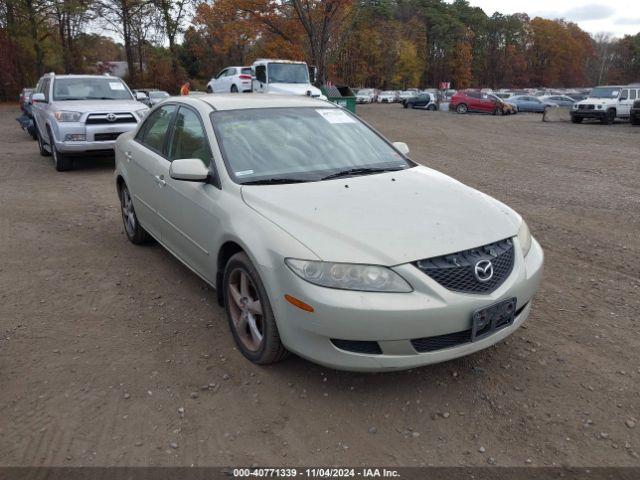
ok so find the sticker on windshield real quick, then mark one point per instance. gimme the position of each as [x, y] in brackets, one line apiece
[244, 173]
[116, 86]
[335, 116]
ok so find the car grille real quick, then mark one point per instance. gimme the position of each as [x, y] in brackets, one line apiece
[586, 107]
[456, 271]
[101, 118]
[103, 137]
[357, 346]
[440, 342]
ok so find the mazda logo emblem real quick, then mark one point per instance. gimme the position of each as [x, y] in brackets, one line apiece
[111, 117]
[483, 270]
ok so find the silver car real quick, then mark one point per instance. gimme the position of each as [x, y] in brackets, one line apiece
[321, 237]
[80, 115]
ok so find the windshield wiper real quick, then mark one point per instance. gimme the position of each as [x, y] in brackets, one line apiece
[104, 98]
[274, 181]
[360, 171]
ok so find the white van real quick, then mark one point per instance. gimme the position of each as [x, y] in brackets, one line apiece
[284, 77]
[606, 103]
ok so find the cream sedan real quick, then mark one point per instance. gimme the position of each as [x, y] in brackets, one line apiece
[321, 237]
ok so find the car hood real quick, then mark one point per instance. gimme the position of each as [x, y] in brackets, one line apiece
[85, 106]
[385, 219]
[596, 101]
[294, 89]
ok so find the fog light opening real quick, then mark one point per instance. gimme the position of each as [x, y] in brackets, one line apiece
[298, 303]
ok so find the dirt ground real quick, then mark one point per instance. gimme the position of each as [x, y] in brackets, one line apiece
[113, 354]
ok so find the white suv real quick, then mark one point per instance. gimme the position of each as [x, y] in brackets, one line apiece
[79, 115]
[606, 103]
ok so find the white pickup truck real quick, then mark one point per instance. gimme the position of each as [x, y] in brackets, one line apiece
[284, 77]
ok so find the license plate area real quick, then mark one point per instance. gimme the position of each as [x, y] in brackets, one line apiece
[492, 318]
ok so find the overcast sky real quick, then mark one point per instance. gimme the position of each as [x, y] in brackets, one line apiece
[618, 17]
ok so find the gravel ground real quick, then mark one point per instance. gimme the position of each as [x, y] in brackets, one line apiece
[113, 354]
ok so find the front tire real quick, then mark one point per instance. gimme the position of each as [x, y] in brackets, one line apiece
[634, 120]
[576, 119]
[462, 109]
[135, 233]
[61, 162]
[249, 313]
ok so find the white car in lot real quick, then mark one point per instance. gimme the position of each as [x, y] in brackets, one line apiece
[388, 96]
[366, 95]
[231, 80]
[321, 237]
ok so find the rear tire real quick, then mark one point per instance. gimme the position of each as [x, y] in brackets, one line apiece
[41, 145]
[432, 108]
[135, 233]
[234, 89]
[462, 109]
[247, 323]
[609, 118]
[498, 111]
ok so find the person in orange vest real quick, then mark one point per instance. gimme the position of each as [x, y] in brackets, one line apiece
[184, 89]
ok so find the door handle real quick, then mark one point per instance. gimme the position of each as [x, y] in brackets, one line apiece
[160, 180]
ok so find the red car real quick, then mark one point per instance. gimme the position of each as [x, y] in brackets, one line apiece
[475, 101]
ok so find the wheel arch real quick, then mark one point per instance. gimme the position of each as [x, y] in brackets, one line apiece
[226, 251]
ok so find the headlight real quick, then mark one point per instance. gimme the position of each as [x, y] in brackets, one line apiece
[575, 106]
[524, 238]
[63, 116]
[141, 113]
[348, 276]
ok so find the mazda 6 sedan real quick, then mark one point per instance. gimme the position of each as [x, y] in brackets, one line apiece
[321, 237]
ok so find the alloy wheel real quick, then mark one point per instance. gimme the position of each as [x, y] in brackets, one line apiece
[128, 214]
[245, 308]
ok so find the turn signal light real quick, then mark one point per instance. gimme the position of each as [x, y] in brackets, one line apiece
[298, 303]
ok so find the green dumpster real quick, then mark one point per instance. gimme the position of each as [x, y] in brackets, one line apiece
[343, 96]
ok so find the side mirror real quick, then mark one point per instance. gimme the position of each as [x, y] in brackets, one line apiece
[140, 96]
[38, 97]
[402, 147]
[189, 170]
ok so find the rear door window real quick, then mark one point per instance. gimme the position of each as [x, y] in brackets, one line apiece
[153, 132]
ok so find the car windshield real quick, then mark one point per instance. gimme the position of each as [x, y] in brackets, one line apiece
[86, 88]
[278, 145]
[605, 92]
[288, 73]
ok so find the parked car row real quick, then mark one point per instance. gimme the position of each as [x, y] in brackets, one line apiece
[288, 286]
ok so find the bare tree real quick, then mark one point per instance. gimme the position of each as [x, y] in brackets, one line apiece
[172, 15]
[70, 16]
[120, 16]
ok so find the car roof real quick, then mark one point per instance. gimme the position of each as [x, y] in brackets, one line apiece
[109, 77]
[242, 101]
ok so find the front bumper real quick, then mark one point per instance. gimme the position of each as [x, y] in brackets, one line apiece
[588, 113]
[94, 134]
[393, 320]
